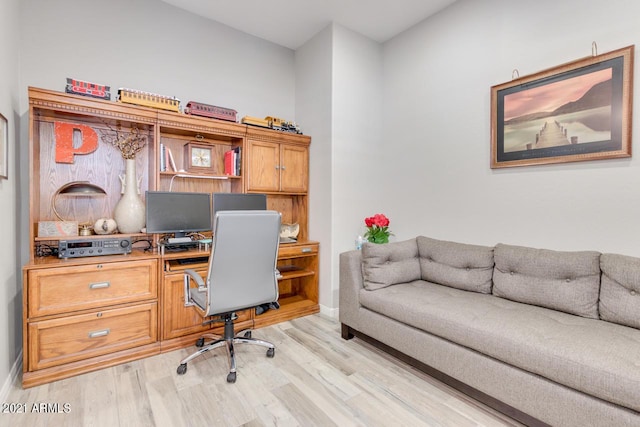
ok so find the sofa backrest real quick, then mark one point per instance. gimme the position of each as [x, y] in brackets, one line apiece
[389, 264]
[458, 265]
[584, 283]
[563, 281]
[620, 290]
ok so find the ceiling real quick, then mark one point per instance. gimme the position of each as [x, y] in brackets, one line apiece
[291, 23]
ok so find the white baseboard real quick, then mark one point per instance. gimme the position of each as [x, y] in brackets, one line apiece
[329, 312]
[11, 379]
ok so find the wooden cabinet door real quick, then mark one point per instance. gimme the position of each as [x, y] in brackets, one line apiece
[263, 166]
[294, 168]
[177, 319]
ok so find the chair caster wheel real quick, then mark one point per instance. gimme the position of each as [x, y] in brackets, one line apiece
[271, 352]
[247, 334]
[182, 369]
[200, 342]
[231, 378]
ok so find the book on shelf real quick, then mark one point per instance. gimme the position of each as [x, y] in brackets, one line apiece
[163, 164]
[232, 162]
[238, 162]
[228, 162]
[172, 162]
[167, 162]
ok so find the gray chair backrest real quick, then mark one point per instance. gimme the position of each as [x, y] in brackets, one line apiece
[242, 266]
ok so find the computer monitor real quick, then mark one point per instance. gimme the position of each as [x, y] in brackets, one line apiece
[238, 202]
[178, 213]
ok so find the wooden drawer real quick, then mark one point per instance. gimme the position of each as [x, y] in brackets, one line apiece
[65, 289]
[296, 250]
[57, 341]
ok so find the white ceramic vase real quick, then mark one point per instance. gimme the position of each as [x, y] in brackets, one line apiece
[129, 213]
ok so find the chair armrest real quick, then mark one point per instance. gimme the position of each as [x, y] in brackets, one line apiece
[190, 274]
[196, 278]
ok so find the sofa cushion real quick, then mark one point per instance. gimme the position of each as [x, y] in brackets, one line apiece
[388, 264]
[458, 265]
[565, 281]
[620, 290]
[595, 357]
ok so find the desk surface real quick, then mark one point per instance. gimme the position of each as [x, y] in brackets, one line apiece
[136, 254]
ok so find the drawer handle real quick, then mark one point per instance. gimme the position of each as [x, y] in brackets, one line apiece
[99, 285]
[306, 250]
[98, 334]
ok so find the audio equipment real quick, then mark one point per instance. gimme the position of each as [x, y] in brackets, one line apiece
[94, 247]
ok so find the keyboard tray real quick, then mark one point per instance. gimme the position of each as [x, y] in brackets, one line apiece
[195, 260]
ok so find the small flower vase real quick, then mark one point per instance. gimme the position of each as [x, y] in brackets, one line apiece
[379, 239]
[129, 213]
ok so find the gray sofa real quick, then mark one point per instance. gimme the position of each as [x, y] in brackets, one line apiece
[544, 336]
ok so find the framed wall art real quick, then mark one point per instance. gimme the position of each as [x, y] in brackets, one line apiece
[574, 112]
[4, 147]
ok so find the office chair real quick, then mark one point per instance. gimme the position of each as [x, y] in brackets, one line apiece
[241, 275]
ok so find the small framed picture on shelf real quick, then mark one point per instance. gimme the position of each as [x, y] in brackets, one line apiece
[198, 157]
[4, 147]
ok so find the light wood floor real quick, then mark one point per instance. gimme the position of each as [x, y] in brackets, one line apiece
[315, 379]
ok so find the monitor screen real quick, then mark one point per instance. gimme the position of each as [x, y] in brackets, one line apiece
[238, 202]
[178, 213]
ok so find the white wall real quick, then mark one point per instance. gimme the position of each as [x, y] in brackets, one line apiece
[10, 282]
[152, 46]
[313, 111]
[338, 98]
[437, 80]
[358, 149]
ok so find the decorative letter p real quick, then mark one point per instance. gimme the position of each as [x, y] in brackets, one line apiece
[64, 141]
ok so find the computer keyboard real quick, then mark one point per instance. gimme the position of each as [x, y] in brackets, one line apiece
[195, 260]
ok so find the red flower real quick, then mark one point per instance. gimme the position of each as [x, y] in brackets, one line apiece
[380, 220]
[378, 231]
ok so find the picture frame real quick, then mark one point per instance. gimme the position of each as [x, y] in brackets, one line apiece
[574, 112]
[4, 147]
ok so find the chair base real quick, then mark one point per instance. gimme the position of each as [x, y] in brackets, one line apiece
[228, 340]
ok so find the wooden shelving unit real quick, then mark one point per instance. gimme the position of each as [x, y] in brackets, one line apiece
[108, 329]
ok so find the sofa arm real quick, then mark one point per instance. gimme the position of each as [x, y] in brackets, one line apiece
[351, 283]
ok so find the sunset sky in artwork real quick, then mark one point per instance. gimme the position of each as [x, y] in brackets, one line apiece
[551, 96]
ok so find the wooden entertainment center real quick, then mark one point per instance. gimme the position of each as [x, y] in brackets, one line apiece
[86, 313]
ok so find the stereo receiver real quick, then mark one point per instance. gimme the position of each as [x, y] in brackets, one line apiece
[93, 247]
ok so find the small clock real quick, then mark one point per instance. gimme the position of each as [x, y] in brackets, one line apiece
[198, 157]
